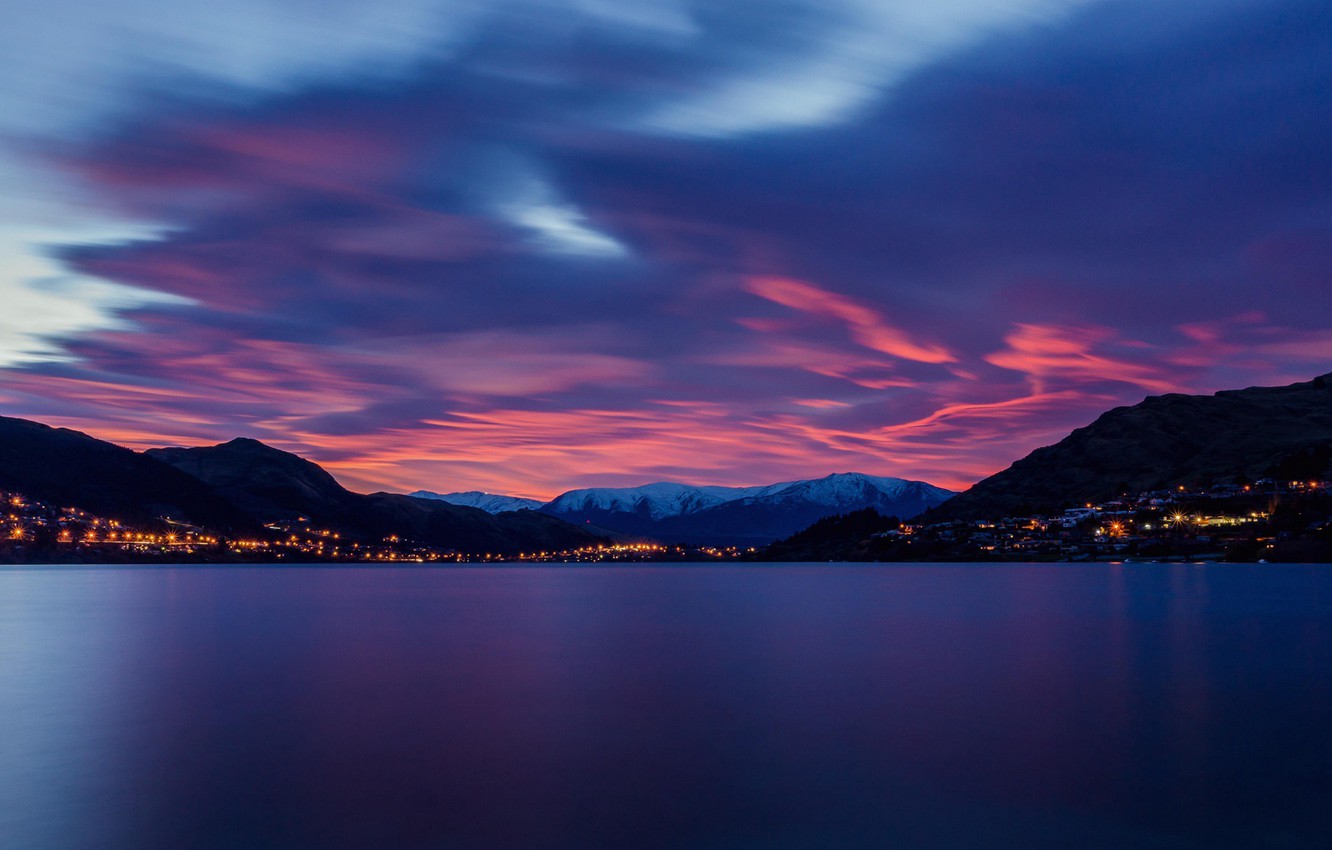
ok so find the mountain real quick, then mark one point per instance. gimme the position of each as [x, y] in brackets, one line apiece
[1164, 442]
[855, 536]
[636, 510]
[272, 485]
[739, 516]
[70, 468]
[491, 503]
[266, 483]
[239, 485]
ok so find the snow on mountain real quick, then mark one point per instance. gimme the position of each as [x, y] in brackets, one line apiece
[740, 515]
[732, 515]
[489, 502]
[653, 501]
[853, 488]
[667, 499]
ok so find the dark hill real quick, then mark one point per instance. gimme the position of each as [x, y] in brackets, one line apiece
[266, 483]
[1163, 442]
[843, 537]
[71, 469]
[272, 485]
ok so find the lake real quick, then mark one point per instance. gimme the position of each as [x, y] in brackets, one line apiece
[702, 707]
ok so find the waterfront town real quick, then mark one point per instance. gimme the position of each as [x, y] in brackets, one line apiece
[31, 530]
[1262, 520]
[1258, 521]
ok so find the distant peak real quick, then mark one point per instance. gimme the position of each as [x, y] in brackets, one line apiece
[489, 502]
[250, 444]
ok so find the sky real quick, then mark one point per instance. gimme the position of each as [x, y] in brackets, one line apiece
[524, 247]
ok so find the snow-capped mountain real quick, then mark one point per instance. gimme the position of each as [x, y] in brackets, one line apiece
[492, 503]
[652, 501]
[750, 516]
[666, 499]
[852, 487]
[740, 515]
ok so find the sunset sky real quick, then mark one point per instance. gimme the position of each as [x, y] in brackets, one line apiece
[524, 247]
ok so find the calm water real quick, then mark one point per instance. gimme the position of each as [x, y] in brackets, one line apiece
[677, 707]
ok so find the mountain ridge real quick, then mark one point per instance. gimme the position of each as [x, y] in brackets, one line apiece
[491, 503]
[1164, 441]
[683, 513]
[678, 512]
[68, 467]
[276, 486]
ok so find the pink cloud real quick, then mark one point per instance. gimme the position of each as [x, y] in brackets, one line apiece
[866, 326]
[1070, 353]
[248, 159]
[1250, 344]
[818, 358]
[956, 444]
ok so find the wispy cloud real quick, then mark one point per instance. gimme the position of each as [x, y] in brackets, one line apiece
[839, 58]
[866, 326]
[1046, 352]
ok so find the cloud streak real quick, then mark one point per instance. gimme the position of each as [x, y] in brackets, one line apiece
[867, 327]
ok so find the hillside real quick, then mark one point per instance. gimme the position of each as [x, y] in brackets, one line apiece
[843, 537]
[1164, 442]
[70, 468]
[271, 485]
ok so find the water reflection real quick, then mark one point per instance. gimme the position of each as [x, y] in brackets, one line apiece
[938, 706]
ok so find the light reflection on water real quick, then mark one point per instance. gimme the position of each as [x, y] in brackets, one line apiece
[672, 707]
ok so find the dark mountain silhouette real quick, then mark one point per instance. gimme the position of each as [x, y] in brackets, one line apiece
[272, 485]
[844, 537]
[266, 483]
[71, 469]
[1164, 442]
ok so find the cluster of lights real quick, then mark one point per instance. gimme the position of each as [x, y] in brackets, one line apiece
[75, 527]
[1154, 517]
[727, 552]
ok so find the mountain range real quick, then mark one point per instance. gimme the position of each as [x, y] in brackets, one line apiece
[723, 516]
[240, 486]
[272, 485]
[1166, 441]
[491, 503]
[236, 487]
[71, 469]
